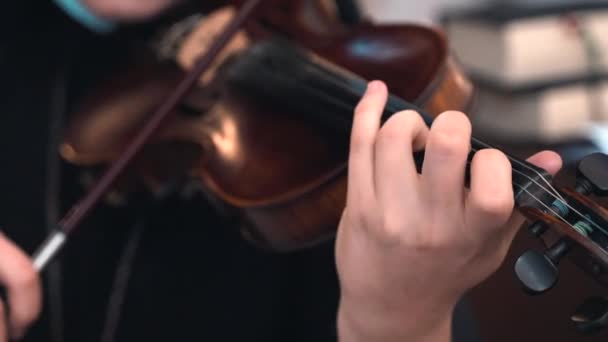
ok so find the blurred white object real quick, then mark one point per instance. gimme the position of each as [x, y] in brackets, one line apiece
[426, 11]
[541, 67]
[522, 51]
[551, 115]
[531, 61]
[598, 134]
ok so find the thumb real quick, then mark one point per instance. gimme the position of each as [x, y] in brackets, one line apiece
[3, 322]
[22, 284]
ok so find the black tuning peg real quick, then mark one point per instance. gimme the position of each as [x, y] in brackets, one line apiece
[592, 315]
[592, 175]
[537, 228]
[538, 271]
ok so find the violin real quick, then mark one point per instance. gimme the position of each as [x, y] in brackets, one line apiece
[230, 145]
[262, 121]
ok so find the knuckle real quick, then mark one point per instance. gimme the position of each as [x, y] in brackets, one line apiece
[364, 219]
[363, 107]
[389, 135]
[494, 204]
[400, 127]
[358, 142]
[422, 241]
[494, 157]
[22, 319]
[427, 241]
[367, 222]
[26, 318]
[496, 196]
[449, 142]
[404, 118]
[391, 229]
[453, 120]
[397, 231]
[451, 133]
[27, 277]
[371, 102]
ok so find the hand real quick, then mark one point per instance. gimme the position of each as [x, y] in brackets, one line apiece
[410, 245]
[22, 284]
[129, 10]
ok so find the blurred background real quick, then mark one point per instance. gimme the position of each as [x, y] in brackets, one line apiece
[539, 66]
[539, 70]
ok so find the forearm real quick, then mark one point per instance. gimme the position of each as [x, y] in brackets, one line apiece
[360, 325]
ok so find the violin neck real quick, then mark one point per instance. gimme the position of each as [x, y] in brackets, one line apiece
[328, 94]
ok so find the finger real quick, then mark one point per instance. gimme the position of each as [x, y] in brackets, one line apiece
[490, 201]
[547, 160]
[366, 123]
[3, 327]
[396, 177]
[21, 280]
[445, 159]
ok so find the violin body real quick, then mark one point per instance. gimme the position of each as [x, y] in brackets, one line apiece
[266, 131]
[283, 178]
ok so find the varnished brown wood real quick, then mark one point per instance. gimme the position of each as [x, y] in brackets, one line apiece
[431, 79]
[284, 179]
[566, 230]
[587, 203]
[506, 313]
[281, 176]
[589, 256]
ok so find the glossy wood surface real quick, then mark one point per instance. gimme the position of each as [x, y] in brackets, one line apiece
[282, 177]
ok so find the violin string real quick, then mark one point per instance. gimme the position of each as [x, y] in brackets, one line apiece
[543, 178]
[561, 200]
[556, 214]
[325, 75]
[556, 196]
[362, 85]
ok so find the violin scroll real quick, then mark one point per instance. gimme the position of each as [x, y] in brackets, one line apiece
[577, 226]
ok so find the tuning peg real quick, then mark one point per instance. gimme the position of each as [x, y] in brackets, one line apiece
[592, 175]
[592, 315]
[538, 271]
[537, 228]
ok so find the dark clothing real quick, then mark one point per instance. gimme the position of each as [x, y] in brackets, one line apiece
[194, 277]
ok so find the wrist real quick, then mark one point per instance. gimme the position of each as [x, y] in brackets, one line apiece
[361, 323]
